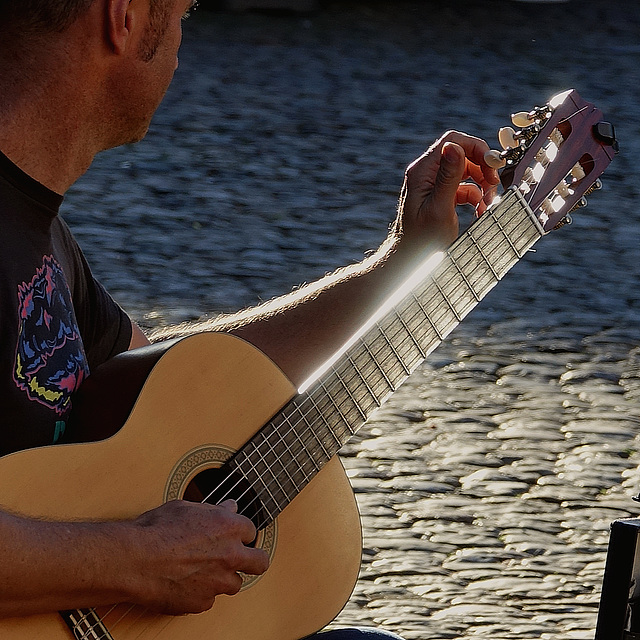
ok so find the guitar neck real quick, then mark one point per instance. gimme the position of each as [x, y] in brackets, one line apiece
[281, 459]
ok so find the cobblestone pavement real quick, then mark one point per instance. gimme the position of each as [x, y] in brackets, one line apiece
[488, 482]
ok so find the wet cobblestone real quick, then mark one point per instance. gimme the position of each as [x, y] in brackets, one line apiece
[488, 482]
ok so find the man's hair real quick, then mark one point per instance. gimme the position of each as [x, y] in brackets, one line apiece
[40, 16]
[30, 17]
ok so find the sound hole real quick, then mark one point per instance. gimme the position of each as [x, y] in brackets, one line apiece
[217, 485]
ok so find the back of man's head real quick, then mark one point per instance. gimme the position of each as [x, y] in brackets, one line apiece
[36, 17]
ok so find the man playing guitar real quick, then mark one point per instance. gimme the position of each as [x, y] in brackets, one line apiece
[79, 77]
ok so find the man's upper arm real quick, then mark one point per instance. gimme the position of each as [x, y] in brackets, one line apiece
[138, 339]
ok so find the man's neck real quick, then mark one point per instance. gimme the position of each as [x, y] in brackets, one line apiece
[45, 121]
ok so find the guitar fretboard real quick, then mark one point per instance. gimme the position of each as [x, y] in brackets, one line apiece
[281, 459]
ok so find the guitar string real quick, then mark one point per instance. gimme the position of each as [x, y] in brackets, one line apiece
[124, 615]
[271, 446]
[435, 293]
[299, 407]
[309, 425]
[297, 462]
[261, 493]
[467, 252]
[127, 614]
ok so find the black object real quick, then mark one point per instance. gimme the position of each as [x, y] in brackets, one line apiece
[606, 133]
[619, 611]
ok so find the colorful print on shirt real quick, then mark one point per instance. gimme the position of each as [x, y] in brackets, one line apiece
[50, 359]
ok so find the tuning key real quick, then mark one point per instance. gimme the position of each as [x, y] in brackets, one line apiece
[563, 190]
[508, 138]
[579, 205]
[495, 159]
[596, 186]
[563, 222]
[578, 172]
[521, 119]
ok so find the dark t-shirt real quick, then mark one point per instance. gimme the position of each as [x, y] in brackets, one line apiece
[56, 321]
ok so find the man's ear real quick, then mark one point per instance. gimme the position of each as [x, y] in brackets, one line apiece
[120, 20]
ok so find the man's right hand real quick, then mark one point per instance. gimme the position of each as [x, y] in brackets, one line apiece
[189, 553]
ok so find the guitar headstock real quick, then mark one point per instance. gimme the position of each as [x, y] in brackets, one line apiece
[555, 155]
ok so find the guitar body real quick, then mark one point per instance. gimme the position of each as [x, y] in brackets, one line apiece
[206, 396]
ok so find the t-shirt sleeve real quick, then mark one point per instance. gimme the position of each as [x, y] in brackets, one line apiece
[104, 326]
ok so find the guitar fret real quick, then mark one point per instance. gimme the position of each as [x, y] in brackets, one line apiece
[423, 332]
[509, 220]
[521, 218]
[289, 433]
[378, 365]
[410, 334]
[289, 438]
[363, 379]
[508, 239]
[330, 409]
[322, 417]
[480, 275]
[406, 349]
[356, 386]
[456, 290]
[337, 408]
[277, 460]
[437, 312]
[494, 249]
[482, 255]
[446, 299]
[393, 349]
[313, 448]
[310, 457]
[389, 362]
[327, 450]
[379, 382]
[428, 317]
[260, 477]
[253, 466]
[454, 262]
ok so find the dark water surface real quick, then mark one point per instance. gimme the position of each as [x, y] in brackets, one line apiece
[487, 484]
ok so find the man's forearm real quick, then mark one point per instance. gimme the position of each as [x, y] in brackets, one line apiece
[49, 566]
[301, 330]
[174, 559]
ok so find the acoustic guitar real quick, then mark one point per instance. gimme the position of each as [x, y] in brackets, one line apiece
[210, 417]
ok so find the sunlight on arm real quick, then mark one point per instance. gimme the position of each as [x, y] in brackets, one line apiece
[393, 300]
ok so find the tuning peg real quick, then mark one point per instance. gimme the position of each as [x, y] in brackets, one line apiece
[542, 157]
[563, 222]
[579, 205]
[556, 137]
[563, 190]
[507, 138]
[577, 171]
[521, 119]
[596, 186]
[495, 159]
